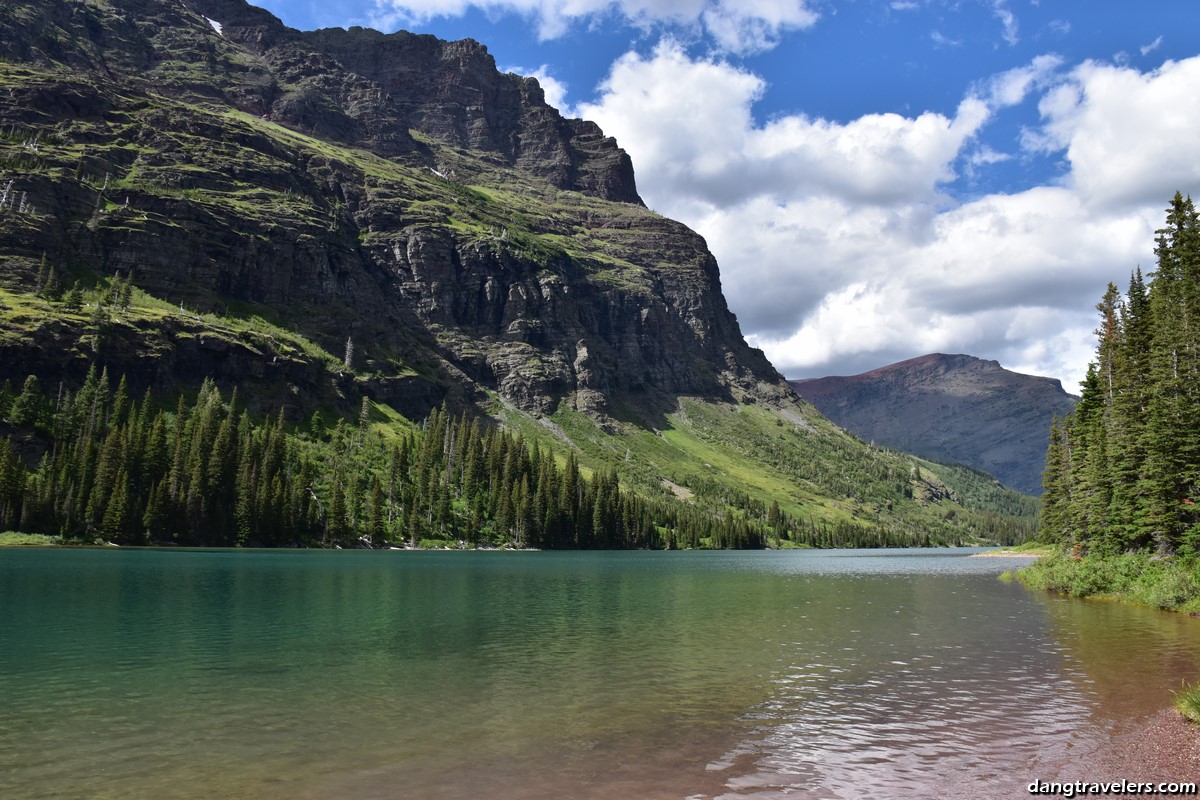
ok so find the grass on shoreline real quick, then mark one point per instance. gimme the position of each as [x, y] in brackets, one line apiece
[14, 539]
[1032, 547]
[1171, 583]
[1187, 702]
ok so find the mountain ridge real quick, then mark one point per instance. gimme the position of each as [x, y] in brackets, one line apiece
[955, 408]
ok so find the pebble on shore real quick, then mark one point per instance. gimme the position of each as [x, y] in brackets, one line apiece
[1165, 750]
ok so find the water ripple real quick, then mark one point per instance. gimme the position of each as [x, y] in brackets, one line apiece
[447, 676]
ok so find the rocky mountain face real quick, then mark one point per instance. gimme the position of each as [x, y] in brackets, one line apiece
[391, 197]
[375, 224]
[951, 408]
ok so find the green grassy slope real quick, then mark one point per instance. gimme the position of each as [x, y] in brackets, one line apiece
[739, 458]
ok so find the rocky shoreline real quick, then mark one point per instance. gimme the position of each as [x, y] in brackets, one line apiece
[1166, 749]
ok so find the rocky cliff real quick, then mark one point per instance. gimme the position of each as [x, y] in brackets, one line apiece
[954, 408]
[393, 191]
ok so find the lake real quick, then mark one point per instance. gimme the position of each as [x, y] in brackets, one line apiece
[438, 675]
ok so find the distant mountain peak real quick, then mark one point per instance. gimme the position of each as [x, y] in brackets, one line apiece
[949, 407]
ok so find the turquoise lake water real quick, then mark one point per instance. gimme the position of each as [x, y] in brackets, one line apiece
[315, 674]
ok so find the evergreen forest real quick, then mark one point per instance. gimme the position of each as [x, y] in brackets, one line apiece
[203, 472]
[1122, 477]
[1123, 470]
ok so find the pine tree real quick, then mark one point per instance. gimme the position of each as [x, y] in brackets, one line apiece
[49, 284]
[120, 404]
[109, 468]
[12, 485]
[27, 407]
[1127, 415]
[244, 493]
[1123, 471]
[73, 300]
[157, 517]
[336, 528]
[1173, 430]
[375, 512]
[115, 523]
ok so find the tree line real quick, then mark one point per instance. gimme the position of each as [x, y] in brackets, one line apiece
[1123, 469]
[205, 472]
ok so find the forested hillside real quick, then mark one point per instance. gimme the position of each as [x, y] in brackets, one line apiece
[205, 473]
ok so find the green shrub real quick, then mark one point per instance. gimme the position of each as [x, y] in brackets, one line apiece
[1169, 583]
[1065, 575]
[1173, 590]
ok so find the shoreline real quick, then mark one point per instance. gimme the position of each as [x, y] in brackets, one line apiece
[1138, 578]
[14, 539]
[1164, 748]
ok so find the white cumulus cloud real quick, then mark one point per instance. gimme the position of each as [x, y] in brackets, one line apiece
[1130, 137]
[554, 89]
[838, 246]
[689, 124]
[736, 26]
[1012, 86]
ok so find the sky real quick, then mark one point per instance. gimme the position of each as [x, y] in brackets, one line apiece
[878, 179]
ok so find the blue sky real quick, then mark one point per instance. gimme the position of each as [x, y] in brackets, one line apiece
[878, 179]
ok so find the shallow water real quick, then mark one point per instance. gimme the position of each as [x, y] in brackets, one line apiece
[269, 674]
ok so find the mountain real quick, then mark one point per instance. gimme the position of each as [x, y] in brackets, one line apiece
[394, 190]
[953, 408]
[190, 190]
